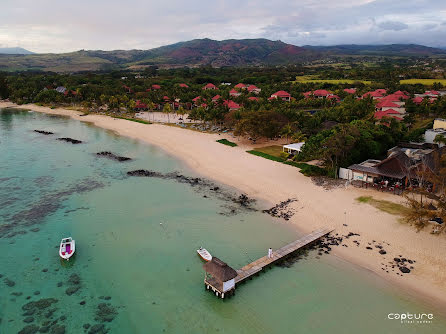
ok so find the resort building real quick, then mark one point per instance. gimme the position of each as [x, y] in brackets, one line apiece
[210, 86]
[234, 93]
[219, 277]
[293, 148]
[183, 85]
[439, 123]
[430, 134]
[240, 86]
[350, 90]
[156, 87]
[282, 95]
[254, 89]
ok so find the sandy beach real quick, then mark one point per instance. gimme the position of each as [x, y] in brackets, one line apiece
[315, 207]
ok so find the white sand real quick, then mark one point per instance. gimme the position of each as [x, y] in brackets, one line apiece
[315, 208]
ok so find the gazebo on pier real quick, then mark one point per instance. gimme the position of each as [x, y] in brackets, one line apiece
[219, 277]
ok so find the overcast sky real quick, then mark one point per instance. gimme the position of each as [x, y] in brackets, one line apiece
[61, 26]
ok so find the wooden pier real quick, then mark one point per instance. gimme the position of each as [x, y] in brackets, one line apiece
[258, 265]
[222, 280]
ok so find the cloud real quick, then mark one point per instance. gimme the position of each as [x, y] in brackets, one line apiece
[48, 26]
[392, 25]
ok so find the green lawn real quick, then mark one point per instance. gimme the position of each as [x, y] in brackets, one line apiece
[226, 142]
[427, 82]
[133, 120]
[314, 79]
[386, 206]
[273, 150]
[306, 169]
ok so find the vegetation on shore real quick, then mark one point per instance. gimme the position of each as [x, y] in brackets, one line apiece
[226, 142]
[386, 206]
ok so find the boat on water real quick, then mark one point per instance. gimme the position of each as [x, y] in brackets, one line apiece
[67, 248]
[204, 254]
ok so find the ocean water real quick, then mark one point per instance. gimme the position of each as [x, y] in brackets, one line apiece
[136, 269]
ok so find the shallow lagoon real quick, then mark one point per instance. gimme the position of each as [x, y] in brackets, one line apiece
[136, 240]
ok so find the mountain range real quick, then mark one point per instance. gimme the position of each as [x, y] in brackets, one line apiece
[198, 52]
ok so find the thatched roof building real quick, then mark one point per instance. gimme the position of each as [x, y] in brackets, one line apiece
[219, 270]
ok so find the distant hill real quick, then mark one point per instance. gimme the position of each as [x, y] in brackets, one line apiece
[15, 51]
[379, 50]
[197, 52]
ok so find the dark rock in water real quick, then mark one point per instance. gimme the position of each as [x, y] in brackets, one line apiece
[36, 293]
[40, 304]
[281, 210]
[58, 330]
[113, 156]
[35, 229]
[1, 275]
[98, 328]
[72, 289]
[44, 132]
[107, 298]
[44, 270]
[44, 329]
[405, 270]
[9, 282]
[82, 302]
[30, 329]
[74, 279]
[382, 252]
[105, 313]
[86, 326]
[63, 318]
[28, 320]
[17, 294]
[50, 313]
[59, 284]
[143, 172]
[29, 312]
[70, 140]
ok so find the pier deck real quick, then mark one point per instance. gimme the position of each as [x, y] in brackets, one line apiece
[258, 265]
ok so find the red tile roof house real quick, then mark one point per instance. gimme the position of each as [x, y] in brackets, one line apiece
[235, 93]
[386, 104]
[210, 86]
[375, 95]
[156, 87]
[253, 98]
[388, 113]
[197, 100]
[231, 105]
[281, 94]
[140, 106]
[308, 95]
[321, 93]
[254, 89]
[240, 86]
[350, 90]
[183, 85]
[216, 98]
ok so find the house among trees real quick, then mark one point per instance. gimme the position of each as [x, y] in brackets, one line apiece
[234, 93]
[210, 86]
[281, 95]
[406, 165]
[254, 89]
[156, 87]
[219, 277]
[140, 106]
[350, 91]
[231, 105]
[240, 86]
[183, 85]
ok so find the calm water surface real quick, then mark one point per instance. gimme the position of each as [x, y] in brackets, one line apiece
[136, 266]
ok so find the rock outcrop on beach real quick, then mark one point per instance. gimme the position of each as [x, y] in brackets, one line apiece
[282, 209]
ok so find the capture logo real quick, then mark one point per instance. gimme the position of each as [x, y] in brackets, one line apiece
[412, 318]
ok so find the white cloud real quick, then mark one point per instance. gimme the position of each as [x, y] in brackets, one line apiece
[48, 26]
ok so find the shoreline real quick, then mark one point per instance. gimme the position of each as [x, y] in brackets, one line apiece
[315, 207]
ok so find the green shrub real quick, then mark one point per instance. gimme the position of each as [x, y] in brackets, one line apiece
[266, 156]
[226, 142]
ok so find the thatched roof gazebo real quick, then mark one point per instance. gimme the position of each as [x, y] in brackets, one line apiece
[219, 277]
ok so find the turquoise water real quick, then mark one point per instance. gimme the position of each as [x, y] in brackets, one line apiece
[136, 240]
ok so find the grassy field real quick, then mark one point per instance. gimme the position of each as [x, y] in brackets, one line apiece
[226, 142]
[306, 169]
[427, 82]
[314, 79]
[273, 150]
[386, 206]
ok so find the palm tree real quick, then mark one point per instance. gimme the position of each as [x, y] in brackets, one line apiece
[440, 139]
[299, 137]
[287, 131]
[167, 109]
